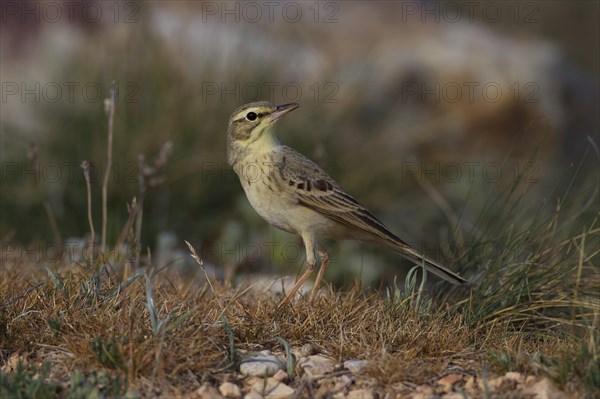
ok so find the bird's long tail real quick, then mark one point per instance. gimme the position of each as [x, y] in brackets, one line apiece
[432, 266]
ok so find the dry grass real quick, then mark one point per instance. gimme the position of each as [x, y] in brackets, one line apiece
[76, 323]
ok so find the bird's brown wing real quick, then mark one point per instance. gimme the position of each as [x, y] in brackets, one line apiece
[316, 190]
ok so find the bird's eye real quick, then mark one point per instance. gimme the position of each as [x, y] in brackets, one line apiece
[251, 116]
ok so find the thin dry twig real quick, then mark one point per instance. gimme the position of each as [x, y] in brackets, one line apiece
[201, 263]
[110, 108]
[85, 165]
[133, 210]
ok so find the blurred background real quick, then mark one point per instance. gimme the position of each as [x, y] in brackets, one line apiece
[421, 110]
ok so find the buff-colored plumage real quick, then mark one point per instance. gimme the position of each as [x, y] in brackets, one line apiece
[294, 194]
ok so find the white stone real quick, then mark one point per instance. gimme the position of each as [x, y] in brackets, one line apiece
[262, 364]
[280, 391]
[317, 365]
[270, 388]
[230, 390]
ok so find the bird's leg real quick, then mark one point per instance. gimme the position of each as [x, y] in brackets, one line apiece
[310, 267]
[310, 243]
[324, 264]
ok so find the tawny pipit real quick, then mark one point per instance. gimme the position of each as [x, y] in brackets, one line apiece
[294, 194]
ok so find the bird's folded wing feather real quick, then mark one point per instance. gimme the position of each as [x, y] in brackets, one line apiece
[316, 190]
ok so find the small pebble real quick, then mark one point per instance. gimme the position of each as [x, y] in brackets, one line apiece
[513, 375]
[253, 395]
[306, 350]
[263, 364]
[317, 365]
[207, 391]
[448, 381]
[355, 366]
[361, 394]
[270, 388]
[281, 391]
[230, 390]
[281, 376]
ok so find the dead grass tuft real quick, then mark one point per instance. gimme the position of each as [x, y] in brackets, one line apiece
[108, 328]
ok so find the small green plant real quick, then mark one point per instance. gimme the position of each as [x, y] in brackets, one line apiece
[291, 360]
[91, 289]
[55, 324]
[123, 285]
[58, 282]
[410, 285]
[157, 324]
[411, 295]
[233, 356]
[160, 328]
[108, 353]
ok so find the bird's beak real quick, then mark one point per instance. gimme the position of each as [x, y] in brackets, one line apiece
[282, 110]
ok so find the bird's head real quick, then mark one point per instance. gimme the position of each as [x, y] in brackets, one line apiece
[251, 124]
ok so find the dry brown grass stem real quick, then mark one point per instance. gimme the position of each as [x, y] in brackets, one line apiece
[200, 262]
[110, 108]
[85, 165]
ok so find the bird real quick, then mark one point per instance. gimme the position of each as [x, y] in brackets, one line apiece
[294, 194]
